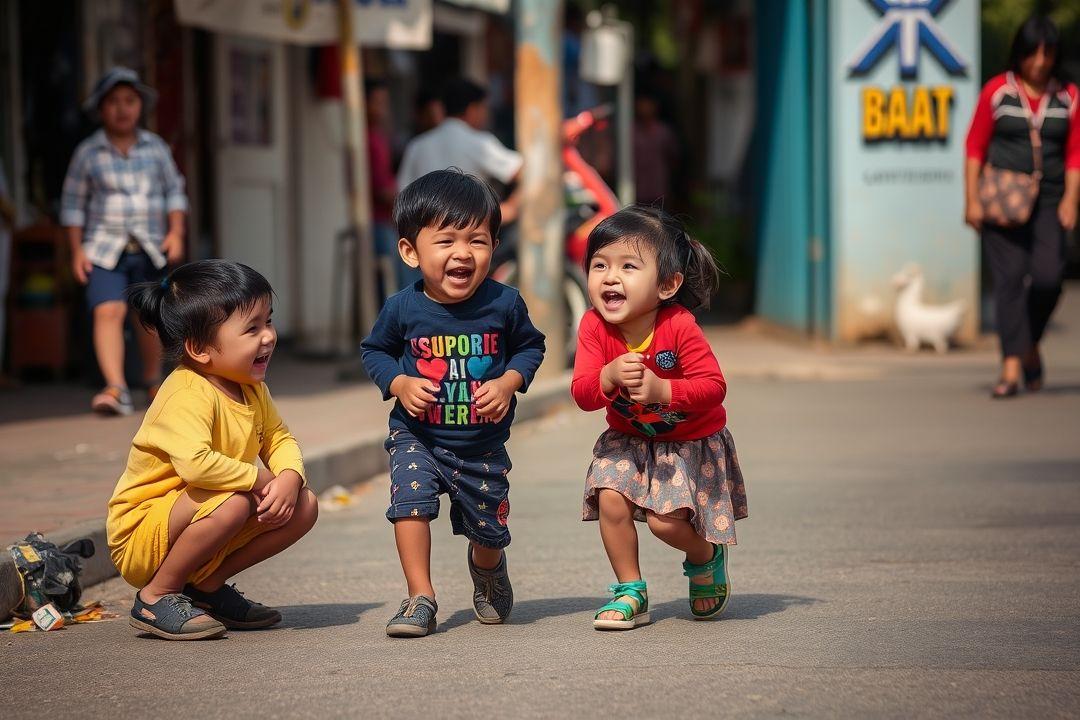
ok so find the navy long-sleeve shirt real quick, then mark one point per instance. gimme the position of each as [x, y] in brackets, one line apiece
[459, 347]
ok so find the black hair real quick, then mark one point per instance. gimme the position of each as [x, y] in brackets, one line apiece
[194, 300]
[459, 94]
[446, 198]
[372, 84]
[676, 251]
[1037, 30]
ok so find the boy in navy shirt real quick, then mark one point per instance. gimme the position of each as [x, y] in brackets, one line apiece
[453, 349]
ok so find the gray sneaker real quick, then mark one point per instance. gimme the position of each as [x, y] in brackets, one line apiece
[173, 618]
[415, 617]
[493, 597]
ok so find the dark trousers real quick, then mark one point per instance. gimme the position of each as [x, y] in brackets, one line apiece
[1027, 264]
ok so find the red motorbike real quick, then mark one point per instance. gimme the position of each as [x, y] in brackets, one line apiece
[588, 201]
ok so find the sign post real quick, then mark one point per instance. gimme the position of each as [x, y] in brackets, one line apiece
[903, 82]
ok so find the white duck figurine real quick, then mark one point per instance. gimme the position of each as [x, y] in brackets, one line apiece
[919, 322]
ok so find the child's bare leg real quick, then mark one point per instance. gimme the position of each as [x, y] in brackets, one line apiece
[109, 341]
[484, 557]
[620, 541]
[413, 537]
[676, 531]
[191, 545]
[268, 544]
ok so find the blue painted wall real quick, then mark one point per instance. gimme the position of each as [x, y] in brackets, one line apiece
[782, 153]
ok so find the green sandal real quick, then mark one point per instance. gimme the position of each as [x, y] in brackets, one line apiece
[718, 589]
[631, 618]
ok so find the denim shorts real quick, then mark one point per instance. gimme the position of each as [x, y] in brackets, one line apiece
[478, 488]
[109, 285]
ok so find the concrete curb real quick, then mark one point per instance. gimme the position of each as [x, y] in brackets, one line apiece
[348, 463]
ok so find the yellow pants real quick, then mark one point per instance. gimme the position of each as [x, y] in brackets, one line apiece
[141, 556]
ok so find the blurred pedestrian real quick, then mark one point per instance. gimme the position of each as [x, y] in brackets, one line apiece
[1026, 120]
[462, 141]
[123, 205]
[656, 151]
[428, 111]
[7, 224]
[395, 273]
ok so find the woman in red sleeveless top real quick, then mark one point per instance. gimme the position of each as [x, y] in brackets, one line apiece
[1027, 263]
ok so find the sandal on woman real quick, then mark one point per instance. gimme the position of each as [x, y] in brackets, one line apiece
[632, 617]
[1004, 389]
[716, 590]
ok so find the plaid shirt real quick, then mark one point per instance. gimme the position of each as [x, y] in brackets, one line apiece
[114, 198]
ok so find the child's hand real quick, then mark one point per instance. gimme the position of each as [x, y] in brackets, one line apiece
[624, 371]
[416, 394]
[493, 397]
[277, 506]
[262, 482]
[651, 389]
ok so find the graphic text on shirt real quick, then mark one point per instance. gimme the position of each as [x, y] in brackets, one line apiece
[458, 364]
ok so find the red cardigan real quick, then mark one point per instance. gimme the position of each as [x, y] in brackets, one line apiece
[678, 352]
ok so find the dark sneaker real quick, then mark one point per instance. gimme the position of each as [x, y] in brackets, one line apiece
[493, 597]
[415, 617]
[173, 618]
[113, 400]
[235, 611]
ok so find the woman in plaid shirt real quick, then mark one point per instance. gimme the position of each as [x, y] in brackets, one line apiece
[123, 205]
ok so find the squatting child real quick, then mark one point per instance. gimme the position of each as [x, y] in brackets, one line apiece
[193, 507]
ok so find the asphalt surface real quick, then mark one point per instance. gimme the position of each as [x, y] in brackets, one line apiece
[912, 550]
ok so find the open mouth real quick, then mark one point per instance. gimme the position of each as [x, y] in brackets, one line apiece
[612, 300]
[461, 274]
[261, 362]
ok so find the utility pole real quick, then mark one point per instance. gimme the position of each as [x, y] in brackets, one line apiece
[358, 190]
[538, 118]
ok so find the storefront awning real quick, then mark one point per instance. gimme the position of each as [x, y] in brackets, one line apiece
[402, 24]
[492, 6]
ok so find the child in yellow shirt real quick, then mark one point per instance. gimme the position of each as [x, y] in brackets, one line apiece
[193, 507]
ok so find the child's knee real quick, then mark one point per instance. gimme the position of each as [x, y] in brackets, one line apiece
[236, 509]
[306, 511]
[110, 312]
[664, 525]
[613, 505]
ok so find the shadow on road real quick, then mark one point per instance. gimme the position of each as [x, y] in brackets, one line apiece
[741, 607]
[322, 615]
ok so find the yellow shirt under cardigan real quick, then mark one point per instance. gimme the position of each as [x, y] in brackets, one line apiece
[194, 439]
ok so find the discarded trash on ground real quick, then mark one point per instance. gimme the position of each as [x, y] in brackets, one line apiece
[53, 619]
[336, 498]
[49, 574]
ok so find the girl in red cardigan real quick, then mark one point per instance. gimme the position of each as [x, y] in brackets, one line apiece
[667, 457]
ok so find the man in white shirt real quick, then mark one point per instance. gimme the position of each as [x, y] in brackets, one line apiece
[461, 141]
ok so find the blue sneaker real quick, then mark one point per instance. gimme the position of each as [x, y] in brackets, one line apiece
[172, 617]
[415, 617]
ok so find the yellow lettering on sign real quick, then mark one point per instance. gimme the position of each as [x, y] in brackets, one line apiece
[943, 95]
[896, 120]
[873, 113]
[922, 122]
[896, 115]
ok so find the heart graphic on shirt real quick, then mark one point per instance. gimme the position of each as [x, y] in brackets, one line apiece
[433, 369]
[478, 366]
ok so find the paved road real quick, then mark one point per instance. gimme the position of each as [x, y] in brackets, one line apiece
[912, 550]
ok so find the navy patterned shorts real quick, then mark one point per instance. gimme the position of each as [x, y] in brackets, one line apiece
[478, 488]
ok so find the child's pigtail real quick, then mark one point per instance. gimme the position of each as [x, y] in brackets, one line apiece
[701, 275]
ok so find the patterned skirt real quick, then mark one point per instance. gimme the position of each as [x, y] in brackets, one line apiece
[701, 476]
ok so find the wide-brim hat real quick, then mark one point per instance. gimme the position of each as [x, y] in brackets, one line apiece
[119, 76]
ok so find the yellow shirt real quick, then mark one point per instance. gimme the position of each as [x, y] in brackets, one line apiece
[195, 435]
